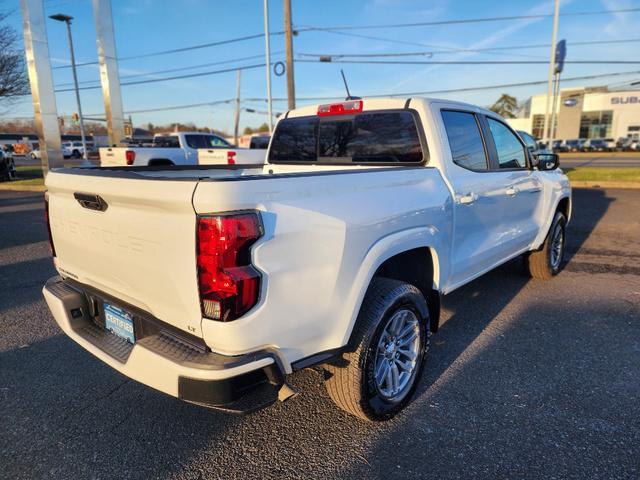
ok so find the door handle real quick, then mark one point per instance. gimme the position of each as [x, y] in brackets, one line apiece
[512, 191]
[467, 199]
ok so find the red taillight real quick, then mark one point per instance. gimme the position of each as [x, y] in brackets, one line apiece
[344, 108]
[46, 219]
[229, 285]
[130, 155]
[231, 157]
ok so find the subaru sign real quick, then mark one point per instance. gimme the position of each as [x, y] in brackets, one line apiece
[622, 100]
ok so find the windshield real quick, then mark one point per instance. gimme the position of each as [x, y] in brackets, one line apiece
[370, 137]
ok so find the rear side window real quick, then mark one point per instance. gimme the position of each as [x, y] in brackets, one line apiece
[465, 141]
[375, 137]
[510, 150]
[197, 141]
[167, 142]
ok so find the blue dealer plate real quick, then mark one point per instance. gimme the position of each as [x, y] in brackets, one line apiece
[119, 322]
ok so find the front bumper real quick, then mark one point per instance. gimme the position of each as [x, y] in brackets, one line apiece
[165, 361]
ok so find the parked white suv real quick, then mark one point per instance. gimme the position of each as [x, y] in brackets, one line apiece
[212, 284]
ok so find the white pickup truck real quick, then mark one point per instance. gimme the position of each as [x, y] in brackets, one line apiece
[181, 148]
[212, 284]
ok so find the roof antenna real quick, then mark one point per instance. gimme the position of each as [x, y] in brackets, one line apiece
[344, 79]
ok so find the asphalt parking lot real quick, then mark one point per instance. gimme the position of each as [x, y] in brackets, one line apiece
[526, 379]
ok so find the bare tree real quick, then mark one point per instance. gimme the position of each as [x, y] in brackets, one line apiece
[13, 79]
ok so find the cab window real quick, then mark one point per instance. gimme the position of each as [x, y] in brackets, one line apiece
[465, 141]
[511, 153]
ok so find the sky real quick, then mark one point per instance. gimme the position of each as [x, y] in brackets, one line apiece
[144, 26]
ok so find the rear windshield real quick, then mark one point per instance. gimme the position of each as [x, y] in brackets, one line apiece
[376, 137]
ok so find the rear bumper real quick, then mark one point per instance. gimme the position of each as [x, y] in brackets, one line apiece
[166, 362]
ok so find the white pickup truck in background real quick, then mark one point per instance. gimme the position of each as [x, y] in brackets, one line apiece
[213, 283]
[180, 148]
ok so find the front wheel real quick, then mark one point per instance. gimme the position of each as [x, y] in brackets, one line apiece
[547, 261]
[375, 379]
[76, 154]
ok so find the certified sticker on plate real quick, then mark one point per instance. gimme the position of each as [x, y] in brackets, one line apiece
[119, 322]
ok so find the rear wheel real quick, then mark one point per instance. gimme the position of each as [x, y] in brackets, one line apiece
[375, 379]
[547, 261]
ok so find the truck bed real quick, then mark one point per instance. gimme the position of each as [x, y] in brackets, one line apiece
[142, 247]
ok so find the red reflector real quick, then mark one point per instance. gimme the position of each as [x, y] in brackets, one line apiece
[231, 157]
[344, 108]
[130, 155]
[229, 285]
[48, 223]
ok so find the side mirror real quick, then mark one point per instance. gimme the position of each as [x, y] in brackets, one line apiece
[547, 161]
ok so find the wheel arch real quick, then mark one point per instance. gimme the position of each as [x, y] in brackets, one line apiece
[564, 205]
[157, 162]
[388, 255]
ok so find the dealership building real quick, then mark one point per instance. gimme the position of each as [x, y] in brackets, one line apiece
[591, 112]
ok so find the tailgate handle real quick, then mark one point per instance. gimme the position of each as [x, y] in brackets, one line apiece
[91, 201]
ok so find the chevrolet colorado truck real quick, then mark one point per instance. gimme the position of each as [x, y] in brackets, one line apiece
[214, 283]
[180, 148]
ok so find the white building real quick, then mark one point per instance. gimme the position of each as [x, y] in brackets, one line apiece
[592, 112]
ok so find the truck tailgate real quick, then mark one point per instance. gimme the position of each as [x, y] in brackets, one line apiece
[140, 249]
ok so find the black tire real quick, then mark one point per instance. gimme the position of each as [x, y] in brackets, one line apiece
[350, 380]
[542, 263]
[75, 154]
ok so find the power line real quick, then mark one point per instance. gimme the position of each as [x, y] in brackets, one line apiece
[181, 107]
[476, 62]
[179, 50]
[353, 27]
[165, 79]
[180, 69]
[472, 20]
[443, 48]
[467, 50]
[466, 89]
[402, 94]
[366, 55]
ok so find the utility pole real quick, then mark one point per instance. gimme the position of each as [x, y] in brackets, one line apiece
[67, 20]
[268, 62]
[291, 90]
[552, 68]
[237, 115]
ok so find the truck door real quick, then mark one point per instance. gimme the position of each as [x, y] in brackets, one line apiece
[521, 187]
[478, 196]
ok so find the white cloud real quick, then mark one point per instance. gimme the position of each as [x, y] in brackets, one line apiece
[622, 23]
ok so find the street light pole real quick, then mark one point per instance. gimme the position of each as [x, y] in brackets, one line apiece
[67, 20]
[552, 69]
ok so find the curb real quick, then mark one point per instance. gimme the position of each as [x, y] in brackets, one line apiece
[603, 184]
[22, 188]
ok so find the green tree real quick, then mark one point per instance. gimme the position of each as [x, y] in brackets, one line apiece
[506, 106]
[263, 128]
[247, 131]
